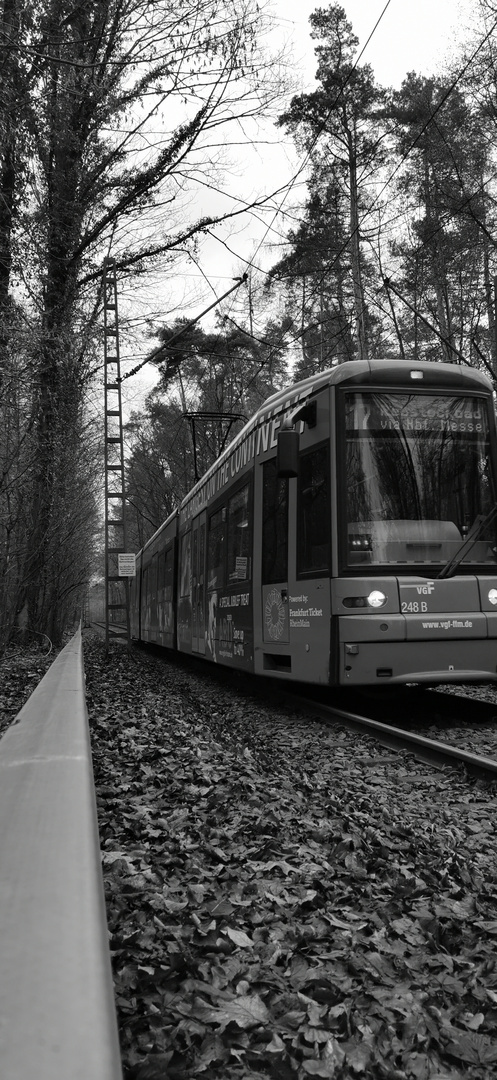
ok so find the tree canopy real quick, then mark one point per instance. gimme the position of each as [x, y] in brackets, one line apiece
[394, 252]
[109, 109]
[113, 114]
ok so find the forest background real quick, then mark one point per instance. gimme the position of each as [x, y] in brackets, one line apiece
[110, 111]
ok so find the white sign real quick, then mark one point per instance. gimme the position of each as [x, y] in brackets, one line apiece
[126, 565]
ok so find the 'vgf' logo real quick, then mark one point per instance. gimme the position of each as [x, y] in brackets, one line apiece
[423, 590]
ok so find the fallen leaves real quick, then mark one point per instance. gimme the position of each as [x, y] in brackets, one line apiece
[245, 1011]
[274, 911]
[21, 669]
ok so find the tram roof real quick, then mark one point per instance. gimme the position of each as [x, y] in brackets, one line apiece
[394, 372]
[380, 372]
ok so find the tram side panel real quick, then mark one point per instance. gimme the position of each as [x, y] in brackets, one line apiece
[183, 599]
[154, 595]
[292, 559]
[135, 599]
[215, 610]
[253, 560]
[166, 582]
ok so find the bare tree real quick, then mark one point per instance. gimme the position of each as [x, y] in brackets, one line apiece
[125, 103]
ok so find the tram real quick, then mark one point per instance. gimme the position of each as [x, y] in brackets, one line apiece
[347, 536]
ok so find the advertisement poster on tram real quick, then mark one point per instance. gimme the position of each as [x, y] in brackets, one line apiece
[229, 628]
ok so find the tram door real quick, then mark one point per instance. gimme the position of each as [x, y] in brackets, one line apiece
[198, 585]
[274, 556]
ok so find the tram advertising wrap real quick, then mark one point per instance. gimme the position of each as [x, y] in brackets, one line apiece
[347, 535]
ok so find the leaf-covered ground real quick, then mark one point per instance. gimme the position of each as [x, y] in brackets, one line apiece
[286, 900]
[21, 669]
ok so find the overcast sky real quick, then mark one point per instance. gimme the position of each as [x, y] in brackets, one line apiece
[413, 35]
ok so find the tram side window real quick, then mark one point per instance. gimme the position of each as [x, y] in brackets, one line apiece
[160, 576]
[155, 573]
[150, 580]
[215, 549]
[239, 536]
[149, 590]
[186, 564]
[168, 574]
[313, 535]
[274, 524]
[145, 587]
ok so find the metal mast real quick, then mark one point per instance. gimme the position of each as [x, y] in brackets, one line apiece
[117, 614]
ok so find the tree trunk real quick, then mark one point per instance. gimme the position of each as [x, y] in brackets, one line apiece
[9, 127]
[355, 255]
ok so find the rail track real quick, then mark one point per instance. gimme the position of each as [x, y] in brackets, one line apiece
[431, 751]
[58, 1019]
[428, 708]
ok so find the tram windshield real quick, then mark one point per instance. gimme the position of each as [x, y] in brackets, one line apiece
[418, 477]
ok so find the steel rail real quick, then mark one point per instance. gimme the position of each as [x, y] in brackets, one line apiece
[428, 750]
[57, 1012]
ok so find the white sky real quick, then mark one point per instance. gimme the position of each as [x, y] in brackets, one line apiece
[413, 35]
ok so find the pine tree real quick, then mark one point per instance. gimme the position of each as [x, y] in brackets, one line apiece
[337, 126]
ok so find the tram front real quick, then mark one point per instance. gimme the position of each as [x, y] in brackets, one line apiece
[414, 598]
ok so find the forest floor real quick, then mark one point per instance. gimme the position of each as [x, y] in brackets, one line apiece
[286, 899]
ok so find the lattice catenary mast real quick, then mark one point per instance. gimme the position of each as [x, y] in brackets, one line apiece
[119, 565]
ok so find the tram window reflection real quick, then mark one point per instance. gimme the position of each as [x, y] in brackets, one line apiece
[313, 512]
[274, 524]
[417, 477]
[216, 549]
[239, 536]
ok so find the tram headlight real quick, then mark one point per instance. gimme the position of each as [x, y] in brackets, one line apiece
[492, 596]
[376, 598]
[360, 541]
